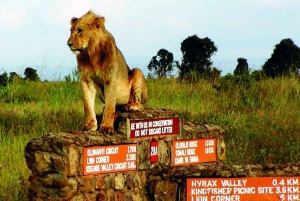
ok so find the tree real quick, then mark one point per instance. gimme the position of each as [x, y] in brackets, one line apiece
[3, 79]
[212, 74]
[13, 76]
[242, 67]
[285, 60]
[31, 74]
[258, 75]
[162, 64]
[196, 56]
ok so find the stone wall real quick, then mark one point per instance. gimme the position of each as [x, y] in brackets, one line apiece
[56, 162]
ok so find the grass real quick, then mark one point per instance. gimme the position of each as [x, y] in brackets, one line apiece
[261, 120]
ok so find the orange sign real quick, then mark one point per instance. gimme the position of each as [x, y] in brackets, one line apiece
[193, 151]
[104, 159]
[239, 189]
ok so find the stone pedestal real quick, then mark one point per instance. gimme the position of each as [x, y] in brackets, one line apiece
[56, 162]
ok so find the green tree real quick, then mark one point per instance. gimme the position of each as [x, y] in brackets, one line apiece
[285, 60]
[212, 74]
[162, 64]
[196, 57]
[31, 74]
[242, 67]
[14, 75]
[258, 75]
[3, 79]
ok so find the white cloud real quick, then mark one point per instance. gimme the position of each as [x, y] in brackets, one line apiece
[34, 2]
[179, 23]
[13, 14]
[248, 28]
[60, 12]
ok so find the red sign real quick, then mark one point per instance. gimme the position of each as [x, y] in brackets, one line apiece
[252, 189]
[154, 127]
[193, 151]
[104, 159]
[153, 152]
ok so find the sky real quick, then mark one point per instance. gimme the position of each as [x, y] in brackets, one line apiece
[34, 33]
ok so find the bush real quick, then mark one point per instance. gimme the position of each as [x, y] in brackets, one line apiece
[231, 82]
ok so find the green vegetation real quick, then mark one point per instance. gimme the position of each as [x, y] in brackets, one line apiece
[261, 118]
[196, 58]
[162, 64]
[196, 62]
[285, 60]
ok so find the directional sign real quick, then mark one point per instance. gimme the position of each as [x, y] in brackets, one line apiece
[195, 151]
[104, 159]
[239, 189]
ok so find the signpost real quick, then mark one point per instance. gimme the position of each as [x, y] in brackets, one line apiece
[195, 151]
[154, 127]
[104, 159]
[239, 189]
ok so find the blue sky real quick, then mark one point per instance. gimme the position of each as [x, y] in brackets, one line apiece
[34, 32]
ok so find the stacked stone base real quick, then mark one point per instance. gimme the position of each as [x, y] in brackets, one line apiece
[56, 162]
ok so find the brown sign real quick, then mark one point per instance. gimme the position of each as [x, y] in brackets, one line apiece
[239, 189]
[154, 127]
[193, 151]
[104, 159]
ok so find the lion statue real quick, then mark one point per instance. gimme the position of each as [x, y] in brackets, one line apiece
[103, 71]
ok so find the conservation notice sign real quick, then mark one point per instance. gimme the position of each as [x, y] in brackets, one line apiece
[193, 151]
[240, 189]
[154, 127]
[104, 159]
